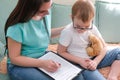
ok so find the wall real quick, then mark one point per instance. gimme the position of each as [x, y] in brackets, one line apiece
[6, 6]
[4, 13]
[68, 2]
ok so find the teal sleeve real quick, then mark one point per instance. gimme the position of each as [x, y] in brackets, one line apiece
[48, 23]
[15, 33]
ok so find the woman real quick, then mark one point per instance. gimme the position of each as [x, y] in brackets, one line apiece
[27, 38]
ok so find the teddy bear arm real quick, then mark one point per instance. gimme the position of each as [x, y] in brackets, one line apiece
[90, 51]
[97, 48]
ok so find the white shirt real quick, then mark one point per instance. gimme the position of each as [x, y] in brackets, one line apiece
[75, 42]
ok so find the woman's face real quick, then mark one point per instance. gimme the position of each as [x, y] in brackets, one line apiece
[43, 11]
[81, 26]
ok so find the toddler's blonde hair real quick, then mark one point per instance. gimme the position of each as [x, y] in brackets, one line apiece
[83, 9]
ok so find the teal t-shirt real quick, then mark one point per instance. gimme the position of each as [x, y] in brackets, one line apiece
[33, 37]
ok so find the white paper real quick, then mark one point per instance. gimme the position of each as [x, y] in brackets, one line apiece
[67, 71]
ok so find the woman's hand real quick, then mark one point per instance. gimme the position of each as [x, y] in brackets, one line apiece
[50, 66]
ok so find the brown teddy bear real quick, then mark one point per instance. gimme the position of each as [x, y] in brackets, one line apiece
[95, 45]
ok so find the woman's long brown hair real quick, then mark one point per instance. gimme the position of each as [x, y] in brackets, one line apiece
[23, 12]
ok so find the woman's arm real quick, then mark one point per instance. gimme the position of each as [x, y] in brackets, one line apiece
[14, 50]
[56, 32]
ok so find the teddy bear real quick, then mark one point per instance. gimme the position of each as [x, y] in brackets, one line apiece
[95, 45]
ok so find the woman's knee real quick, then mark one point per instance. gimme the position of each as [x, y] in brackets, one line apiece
[21, 73]
[92, 75]
[79, 77]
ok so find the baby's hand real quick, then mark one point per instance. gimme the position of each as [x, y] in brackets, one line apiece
[92, 65]
[84, 62]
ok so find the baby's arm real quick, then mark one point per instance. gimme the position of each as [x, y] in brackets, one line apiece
[94, 63]
[62, 50]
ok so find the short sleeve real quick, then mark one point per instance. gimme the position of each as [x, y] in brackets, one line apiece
[65, 38]
[97, 33]
[15, 33]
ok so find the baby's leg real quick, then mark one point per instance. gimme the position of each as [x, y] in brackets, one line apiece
[112, 59]
[115, 71]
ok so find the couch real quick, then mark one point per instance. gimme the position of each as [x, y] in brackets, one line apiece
[107, 20]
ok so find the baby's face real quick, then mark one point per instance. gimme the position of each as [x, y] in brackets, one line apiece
[81, 26]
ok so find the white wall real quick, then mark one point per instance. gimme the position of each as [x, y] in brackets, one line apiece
[68, 2]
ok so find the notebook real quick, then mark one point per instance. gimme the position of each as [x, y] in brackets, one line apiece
[67, 71]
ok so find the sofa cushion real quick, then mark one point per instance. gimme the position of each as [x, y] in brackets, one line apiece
[2, 50]
[108, 19]
[60, 16]
[5, 9]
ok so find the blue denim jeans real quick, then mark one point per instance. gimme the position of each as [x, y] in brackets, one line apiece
[23, 73]
[26, 73]
[109, 58]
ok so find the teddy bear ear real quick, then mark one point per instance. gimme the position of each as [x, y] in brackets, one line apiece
[91, 36]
